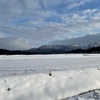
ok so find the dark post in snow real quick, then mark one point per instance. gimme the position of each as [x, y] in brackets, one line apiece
[50, 74]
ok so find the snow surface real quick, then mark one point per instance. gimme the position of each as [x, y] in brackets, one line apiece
[89, 95]
[42, 63]
[28, 77]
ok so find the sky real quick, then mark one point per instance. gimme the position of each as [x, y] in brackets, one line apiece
[31, 23]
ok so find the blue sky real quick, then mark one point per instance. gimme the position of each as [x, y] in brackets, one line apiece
[30, 23]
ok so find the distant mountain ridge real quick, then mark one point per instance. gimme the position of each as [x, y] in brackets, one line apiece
[46, 49]
[57, 49]
[11, 52]
[86, 44]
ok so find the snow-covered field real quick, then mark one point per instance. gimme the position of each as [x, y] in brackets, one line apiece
[28, 77]
[43, 63]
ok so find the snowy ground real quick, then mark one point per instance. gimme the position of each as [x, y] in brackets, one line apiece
[43, 63]
[89, 95]
[27, 77]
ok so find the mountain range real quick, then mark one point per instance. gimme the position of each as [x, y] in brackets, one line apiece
[86, 44]
[59, 49]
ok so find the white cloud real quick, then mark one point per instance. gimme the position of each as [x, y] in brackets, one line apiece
[77, 3]
[27, 19]
[15, 43]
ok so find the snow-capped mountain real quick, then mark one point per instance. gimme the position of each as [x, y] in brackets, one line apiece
[70, 47]
[50, 49]
[58, 49]
[89, 45]
[85, 44]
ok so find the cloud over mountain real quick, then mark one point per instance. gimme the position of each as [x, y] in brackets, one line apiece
[91, 38]
[39, 22]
